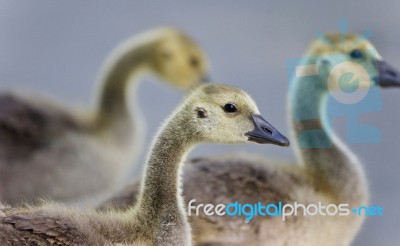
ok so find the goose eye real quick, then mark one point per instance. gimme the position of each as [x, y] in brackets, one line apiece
[230, 108]
[194, 62]
[356, 54]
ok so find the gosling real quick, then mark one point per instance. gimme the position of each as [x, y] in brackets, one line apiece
[210, 114]
[327, 171]
[51, 151]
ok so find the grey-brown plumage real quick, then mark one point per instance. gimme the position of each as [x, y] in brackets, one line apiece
[41, 231]
[50, 151]
[27, 126]
[158, 217]
[243, 178]
[326, 170]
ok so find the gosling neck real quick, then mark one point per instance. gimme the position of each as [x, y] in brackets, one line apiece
[123, 67]
[160, 196]
[336, 170]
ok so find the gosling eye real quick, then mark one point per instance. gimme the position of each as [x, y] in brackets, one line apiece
[356, 54]
[230, 108]
[193, 61]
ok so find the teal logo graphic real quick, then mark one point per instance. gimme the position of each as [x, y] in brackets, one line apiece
[349, 87]
[368, 211]
[347, 84]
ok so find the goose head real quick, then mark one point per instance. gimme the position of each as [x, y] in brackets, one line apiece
[352, 61]
[225, 114]
[177, 59]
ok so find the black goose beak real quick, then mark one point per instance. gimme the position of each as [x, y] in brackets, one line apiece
[264, 133]
[388, 76]
[205, 78]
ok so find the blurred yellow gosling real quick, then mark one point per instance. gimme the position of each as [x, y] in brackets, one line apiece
[50, 151]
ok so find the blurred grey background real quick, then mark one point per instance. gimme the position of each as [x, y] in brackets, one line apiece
[57, 47]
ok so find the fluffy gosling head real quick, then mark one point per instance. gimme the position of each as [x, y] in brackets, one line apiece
[225, 114]
[176, 58]
[337, 55]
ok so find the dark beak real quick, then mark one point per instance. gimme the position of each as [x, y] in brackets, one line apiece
[388, 76]
[205, 78]
[264, 133]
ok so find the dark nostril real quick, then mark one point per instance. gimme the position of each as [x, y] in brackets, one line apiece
[267, 130]
[205, 78]
[392, 73]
